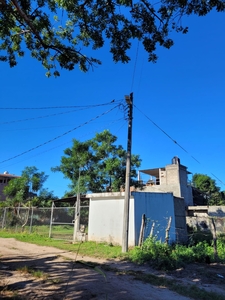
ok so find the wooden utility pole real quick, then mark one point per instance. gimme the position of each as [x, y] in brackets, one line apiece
[129, 100]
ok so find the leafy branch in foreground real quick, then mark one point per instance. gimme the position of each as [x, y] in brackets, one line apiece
[57, 31]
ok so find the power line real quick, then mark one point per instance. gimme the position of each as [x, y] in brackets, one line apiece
[59, 136]
[135, 65]
[163, 131]
[42, 117]
[174, 141]
[58, 146]
[46, 116]
[60, 107]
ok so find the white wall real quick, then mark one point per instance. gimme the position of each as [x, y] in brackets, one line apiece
[106, 218]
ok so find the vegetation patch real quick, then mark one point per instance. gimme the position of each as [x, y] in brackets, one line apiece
[34, 272]
[169, 257]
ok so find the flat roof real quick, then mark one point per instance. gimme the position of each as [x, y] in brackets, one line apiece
[152, 172]
[9, 175]
[70, 199]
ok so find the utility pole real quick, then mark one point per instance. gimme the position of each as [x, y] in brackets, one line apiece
[129, 100]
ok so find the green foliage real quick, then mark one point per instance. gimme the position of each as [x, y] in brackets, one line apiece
[210, 191]
[23, 190]
[97, 165]
[167, 257]
[44, 199]
[55, 31]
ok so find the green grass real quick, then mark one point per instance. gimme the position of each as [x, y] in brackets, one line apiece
[35, 273]
[93, 249]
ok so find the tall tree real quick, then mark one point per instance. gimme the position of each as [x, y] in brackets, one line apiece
[21, 191]
[55, 31]
[210, 191]
[96, 165]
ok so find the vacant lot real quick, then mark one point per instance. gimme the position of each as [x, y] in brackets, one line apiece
[28, 271]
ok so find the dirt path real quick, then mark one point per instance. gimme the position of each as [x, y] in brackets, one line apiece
[68, 280]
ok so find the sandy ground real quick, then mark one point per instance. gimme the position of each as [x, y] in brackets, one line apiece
[67, 279]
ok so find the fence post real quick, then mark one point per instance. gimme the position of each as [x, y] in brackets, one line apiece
[167, 230]
[141, 236]
[77, 219]
[214, 239]
[31, 218]
[50, 228]
[4, 214]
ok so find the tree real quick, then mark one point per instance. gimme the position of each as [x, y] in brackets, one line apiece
[44, 198]
[207, 186]
[96, 165]
[55, 31]
[20, 191]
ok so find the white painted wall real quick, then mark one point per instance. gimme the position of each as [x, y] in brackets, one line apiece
[106, 216]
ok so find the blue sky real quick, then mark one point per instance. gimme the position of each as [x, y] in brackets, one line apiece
[183, 93]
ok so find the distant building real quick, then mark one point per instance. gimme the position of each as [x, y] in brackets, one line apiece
[4, 180]
[172, 178]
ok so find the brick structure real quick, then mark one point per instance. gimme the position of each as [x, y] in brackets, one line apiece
[4, 180]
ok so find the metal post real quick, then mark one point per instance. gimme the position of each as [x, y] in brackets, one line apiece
[50, 228]
[129, 100]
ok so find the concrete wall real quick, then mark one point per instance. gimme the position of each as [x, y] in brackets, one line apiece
[157, 207]
[173, 179]
[180, 220]
[201, 217]
[106, 216]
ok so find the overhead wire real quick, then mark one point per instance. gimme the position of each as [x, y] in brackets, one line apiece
[163, 131]
[41, 117]
[135, 66]
[59, 136]
[52, 148]
[60, 107]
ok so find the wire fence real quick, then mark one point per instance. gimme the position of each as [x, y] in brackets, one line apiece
[38, 220]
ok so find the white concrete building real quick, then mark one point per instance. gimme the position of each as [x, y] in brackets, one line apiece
[106, 216]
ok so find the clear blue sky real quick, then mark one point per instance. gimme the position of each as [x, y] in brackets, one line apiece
[183, 93]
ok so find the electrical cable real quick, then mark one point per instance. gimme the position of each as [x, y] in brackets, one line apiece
[135, 65]
[42, 117]
[174, 141]
[163, 131]
[57, 107]
[59, 136]
[40, 153]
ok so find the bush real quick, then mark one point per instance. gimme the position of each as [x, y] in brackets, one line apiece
[168, 257]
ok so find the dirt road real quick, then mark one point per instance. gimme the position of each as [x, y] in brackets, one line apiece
[68, 280]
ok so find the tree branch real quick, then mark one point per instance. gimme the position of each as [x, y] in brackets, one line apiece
[151, 10]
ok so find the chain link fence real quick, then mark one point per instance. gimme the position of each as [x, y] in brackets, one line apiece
[57, 222]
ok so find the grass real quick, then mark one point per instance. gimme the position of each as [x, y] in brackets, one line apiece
[35, 273]
[93, 249]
